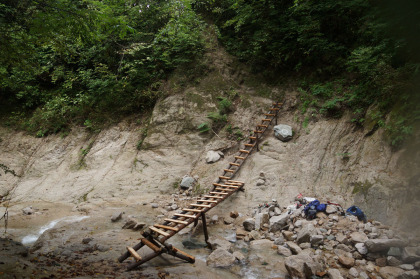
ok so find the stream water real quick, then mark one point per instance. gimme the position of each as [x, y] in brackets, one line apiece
[31, 238]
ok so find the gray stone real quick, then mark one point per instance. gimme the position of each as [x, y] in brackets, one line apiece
[301, 266]
[254, 235]
[214, 219]
[407, 266]
[28, 210]
[390, 272]
[411, 254]
[317, 239]
[187, 182]
[381, 262]
[417, 265]
[155, 205]
[412, 274]
[283, 132]
[331, 209]
[353, 272]
[344, 247]
[174, 207]
[228, 220]
[220, 258]
[395, 251]
[381, 245]
[249, 224]
[261, 244]
[261, 219]
[358, 237]
[361, 248]
[116, 216]
[305, 245]
[304, 235]
[283, 251]
[393, 261]
[212, 157]
[132, 224]
[293, 247]
[347, 262]
[260, 182]
[278, 222]
[218, 242]
[363, 275]
[239, 256]
[279, 240]
[334, 274]
[288, 235]
[193, 244]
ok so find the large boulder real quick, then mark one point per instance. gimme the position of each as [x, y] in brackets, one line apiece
[283, 132]
[187, 182]
[305, 233]
[278, 222]
[302, 266]
[390, 272]
[218, 242]
[411, 254]
[220, 258]
[383, 245]
[249, 224]
[212, 157]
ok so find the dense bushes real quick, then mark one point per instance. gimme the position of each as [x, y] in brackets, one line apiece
[83, 60]
[366, 49]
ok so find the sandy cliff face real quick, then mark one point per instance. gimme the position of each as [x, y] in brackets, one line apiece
[329, 159]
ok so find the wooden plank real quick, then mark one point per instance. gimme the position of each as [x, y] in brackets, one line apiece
[218, 193]
[212, 197]
[176, 221]
[167, 227]
[275, 109]
[224, 189]
[249, 144]
[192, 210]
[200, 205]
[228, 170]
[233, 183]
[183, 253]
[229, 186]
[266, 120]
[236, 181]
[134, 254]
[258, 132]
[269, 114]
[244, 151]
[239, 157]
[224, 177]
[150, 245]
[207, 201]
[185, 215]
[260, 125]
[159, 231]
[234, 164]
[253, 138]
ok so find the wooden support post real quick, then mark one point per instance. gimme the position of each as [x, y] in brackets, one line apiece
[206, 235]
[127, 254]
[145, 259]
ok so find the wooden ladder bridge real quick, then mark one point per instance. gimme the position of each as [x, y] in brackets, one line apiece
[155, 237]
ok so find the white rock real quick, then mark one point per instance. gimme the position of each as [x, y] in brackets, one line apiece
[212, 157]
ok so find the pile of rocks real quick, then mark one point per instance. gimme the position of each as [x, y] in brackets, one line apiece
[331, 246]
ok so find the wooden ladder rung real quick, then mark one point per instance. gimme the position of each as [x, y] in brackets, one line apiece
[224, 189]
[218, 193]
[233, 183]
[266, 120]
[269, 114]
[244, 151]
[192, 210]
[212, 197]
[150, 245]
[249, 144]
[201, 205]
[234, 164]
[207, 201]
[236, 181]
[260, 125]
[228, 170]
[159, 231]
[134, 254]
[224, 177]
[258, 132]
[275, 109]
[185, 215]
[166, 227]
[253, 138]
[230, 186]
[239, 157]
[176, 221]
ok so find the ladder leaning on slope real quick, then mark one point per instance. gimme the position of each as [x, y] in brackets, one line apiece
[156, 236]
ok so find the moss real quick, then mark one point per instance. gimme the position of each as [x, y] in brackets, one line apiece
[196, 98]
[362, 187]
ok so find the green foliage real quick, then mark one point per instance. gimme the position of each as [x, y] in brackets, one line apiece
[64, 62]
[203, 127]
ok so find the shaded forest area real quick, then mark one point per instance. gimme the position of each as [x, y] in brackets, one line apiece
[85, 62]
